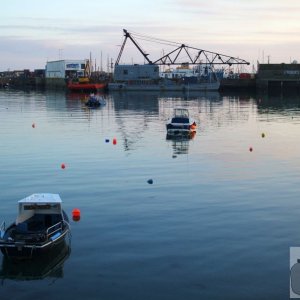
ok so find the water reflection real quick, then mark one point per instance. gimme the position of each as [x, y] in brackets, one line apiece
[180, 141]
[278, 102]
[49, 265]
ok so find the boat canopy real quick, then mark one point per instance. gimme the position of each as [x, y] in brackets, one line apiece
[38, 204]
[181, 113]
[42, 198]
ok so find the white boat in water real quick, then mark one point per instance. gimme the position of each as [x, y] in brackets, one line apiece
[95, 101]
[41, 225]
[181, 122]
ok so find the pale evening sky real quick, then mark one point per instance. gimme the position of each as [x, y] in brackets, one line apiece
[34, 31]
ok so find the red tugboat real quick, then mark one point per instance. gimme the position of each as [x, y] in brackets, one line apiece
[87, 83]
[84, 85]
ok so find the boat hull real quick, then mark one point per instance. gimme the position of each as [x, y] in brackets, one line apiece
[180, 135]
[86, 87]
[95, 102]
[179, 127]
[40, 267]
[23, 250]
[206, 86]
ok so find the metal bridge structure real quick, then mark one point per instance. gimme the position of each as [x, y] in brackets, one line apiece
[195, 56]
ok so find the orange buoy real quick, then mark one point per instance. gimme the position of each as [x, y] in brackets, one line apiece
[63, 166]
[76, 219]
[76, 214]
[115, 141]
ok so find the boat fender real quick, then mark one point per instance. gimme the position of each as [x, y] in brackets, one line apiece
[55, 236]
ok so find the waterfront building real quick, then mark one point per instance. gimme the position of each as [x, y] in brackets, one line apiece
[65, 68]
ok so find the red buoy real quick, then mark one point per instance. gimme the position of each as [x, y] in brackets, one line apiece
[250, 149]
[115, 141]
[76, 214]
[63, 166]
[33, 125]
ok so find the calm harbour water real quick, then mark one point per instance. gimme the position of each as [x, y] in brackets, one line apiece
[217, 222]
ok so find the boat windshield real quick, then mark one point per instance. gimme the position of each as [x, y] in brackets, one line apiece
[181, 112]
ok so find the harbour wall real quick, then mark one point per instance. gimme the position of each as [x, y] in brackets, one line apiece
[56, 83]
[23, 82]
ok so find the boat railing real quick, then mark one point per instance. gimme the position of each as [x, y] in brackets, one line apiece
[2, 229]
[54, 229]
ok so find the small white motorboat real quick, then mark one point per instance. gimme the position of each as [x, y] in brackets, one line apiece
[41, 224]
[95, 101]
[181, 121]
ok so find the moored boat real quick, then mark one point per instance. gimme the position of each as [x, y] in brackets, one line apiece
[95, 101]
[181, 122]
[41, 225]
[85, 85]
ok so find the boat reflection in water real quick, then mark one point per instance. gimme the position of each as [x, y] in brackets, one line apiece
[48, 264]
[180, 141]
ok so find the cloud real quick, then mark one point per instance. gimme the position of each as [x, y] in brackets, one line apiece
[238, 28]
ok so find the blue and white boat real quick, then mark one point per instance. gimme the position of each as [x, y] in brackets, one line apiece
[181, 122]
[41, 225]
[95, 101]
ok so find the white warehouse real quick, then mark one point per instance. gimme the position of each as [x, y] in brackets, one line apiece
[65, 68]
